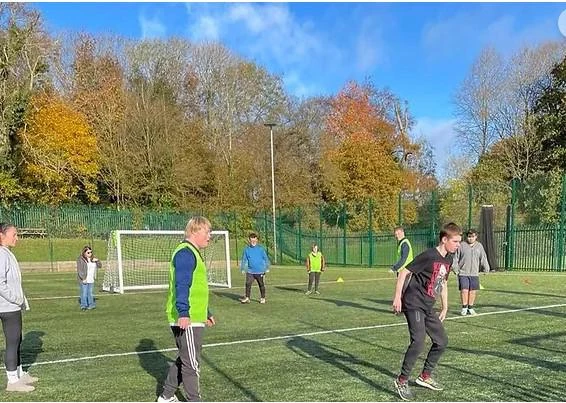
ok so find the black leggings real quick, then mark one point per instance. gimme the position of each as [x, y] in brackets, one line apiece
[249, 281]
[12, 326]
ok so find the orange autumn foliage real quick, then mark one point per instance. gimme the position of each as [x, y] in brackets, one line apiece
[358, 164]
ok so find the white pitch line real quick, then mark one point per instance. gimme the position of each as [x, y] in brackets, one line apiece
[284, 337]
[216, 289]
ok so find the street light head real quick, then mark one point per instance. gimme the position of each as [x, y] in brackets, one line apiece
[270, 124]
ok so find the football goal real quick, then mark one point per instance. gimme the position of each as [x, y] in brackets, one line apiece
[140, 260]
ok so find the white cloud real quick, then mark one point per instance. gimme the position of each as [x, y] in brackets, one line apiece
[370, 46]
[269, 34]
[206, 28]
[453, 35]
[151, 27]
[299, 87]
[441, 135]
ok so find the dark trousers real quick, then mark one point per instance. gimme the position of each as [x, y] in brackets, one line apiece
[250, 277]
[314, 276]
[186, 368]
[419, 323]
[12, 326]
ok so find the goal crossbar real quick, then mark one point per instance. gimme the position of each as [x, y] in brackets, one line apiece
[139, 259]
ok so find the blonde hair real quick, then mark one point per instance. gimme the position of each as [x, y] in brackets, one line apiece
[195, 224]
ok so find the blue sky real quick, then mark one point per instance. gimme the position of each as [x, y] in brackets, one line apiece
[421, 51]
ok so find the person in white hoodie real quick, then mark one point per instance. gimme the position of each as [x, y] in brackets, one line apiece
[12, 301]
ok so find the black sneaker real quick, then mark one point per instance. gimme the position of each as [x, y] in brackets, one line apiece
[403, 390]
[428, 383]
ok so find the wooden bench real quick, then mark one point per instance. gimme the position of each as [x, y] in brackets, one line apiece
[32, 232]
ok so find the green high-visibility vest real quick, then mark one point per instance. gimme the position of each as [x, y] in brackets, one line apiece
[409, 256]
[315, 261]
[198, 291]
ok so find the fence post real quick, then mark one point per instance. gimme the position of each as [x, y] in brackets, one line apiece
[433, 219]
[344, 233]
[562, 225]
[470, 198]
[279, 241]
[266, 230]
[370, 232]
[300, 235]
[320, 226]
[512, 222]
[235, 233]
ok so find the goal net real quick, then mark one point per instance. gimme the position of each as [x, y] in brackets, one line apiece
[139, 260]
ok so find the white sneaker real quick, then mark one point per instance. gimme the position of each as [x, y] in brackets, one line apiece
[464, 311]
[171, 399]
[27, 378]
[309, 292]
[19, 386]
[472, 311]
[262, 300]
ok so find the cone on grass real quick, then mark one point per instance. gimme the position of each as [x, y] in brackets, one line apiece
[339, 280]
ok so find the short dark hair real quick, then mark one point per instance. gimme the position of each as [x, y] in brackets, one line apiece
[252, 235]
[471, 231]
[449, 230]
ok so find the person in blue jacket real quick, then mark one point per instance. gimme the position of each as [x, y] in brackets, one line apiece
[254, 264]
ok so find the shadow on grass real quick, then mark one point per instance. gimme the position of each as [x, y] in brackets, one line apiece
[229, 295]
[535, 342]
[248, 393]
[504, 390]
[339, 359]
[154, 362]
[341, 303]
[532, 361]
[32, 346]
[488, 290]
[299, 290]
[536, 310]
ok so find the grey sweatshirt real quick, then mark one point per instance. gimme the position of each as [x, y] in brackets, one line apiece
[469, 258]
[11, 293]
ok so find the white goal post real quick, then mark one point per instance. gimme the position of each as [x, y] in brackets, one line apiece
[139, 260]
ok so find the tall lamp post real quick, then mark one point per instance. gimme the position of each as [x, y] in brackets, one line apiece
[270, 125]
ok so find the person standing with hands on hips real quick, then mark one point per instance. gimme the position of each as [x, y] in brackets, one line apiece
[12, 302]
[187, 310]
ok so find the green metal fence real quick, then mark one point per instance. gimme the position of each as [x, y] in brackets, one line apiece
[528, 236]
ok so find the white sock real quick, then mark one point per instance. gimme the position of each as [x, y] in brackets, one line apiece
[12, 376]
[21, 371]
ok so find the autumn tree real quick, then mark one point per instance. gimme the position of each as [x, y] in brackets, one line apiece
[24, 55]
[358, 162]
[95, 84]
[59, 151]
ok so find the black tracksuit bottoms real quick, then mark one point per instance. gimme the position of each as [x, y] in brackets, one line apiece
[422, 322]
